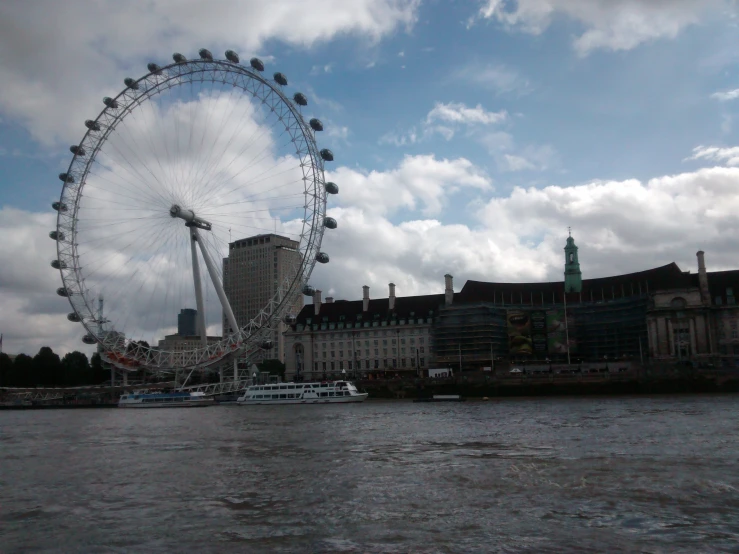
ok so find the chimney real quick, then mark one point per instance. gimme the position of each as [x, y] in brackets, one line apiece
[329, 300]
[365, 298]
[448, 290]
[391, 297]
[703, 278]
[317, 301]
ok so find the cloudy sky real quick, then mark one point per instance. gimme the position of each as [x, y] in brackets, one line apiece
[468, 136]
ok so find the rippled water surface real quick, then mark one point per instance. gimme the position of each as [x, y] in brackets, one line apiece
[651, 474]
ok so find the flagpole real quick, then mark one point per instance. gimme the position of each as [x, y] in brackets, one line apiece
[567, 327]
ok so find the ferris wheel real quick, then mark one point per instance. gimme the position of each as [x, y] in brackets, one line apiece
[186, 164]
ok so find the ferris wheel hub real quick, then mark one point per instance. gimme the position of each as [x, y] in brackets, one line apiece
[191, 220]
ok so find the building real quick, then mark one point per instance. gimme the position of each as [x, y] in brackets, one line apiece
[252, 273]
[381, 337]
[187, 322]
[697, 319]
[178, 346]
[658, 315]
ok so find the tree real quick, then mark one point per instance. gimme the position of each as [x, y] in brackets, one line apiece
[47, 368]
[273, 367]
[22, 374]
[99, 373]
[76, 369]
[6, 370]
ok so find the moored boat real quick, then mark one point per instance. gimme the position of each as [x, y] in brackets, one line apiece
[325, 392]
[158, 399]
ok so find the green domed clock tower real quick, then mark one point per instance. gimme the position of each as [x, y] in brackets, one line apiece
[573, 276]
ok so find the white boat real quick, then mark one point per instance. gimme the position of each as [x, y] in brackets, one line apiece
[157, 399]
[325, 392]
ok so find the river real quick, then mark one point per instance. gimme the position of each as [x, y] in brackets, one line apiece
[630, 474]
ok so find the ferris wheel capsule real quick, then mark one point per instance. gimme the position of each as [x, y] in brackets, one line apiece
[322, 258]
[205, 54]
[257, 64]
[280, 79]
[300, 99]
[179, 58]
[61, 291]
[73, 317]
[232, 56]
[154, 68]
[77, 150]
[131, 83]
[316, 124]
[332, 188]
[329, 223]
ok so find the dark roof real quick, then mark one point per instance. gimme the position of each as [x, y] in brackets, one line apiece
[629, 284]
[604, 288]
[719, 282]
[421, 306]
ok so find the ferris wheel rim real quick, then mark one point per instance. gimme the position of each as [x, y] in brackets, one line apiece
[247, 337]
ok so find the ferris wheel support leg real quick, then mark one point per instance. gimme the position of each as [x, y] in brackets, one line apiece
[216, 283]
[200, 330]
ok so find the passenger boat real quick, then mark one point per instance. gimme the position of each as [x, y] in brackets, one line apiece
[158, 399]
[325, 392]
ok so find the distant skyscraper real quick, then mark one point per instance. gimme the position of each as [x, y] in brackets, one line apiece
[251, 274]
[186, 326]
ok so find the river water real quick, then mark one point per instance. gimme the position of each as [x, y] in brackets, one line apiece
[634, 474]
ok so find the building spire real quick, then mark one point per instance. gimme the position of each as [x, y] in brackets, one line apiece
[573, 275]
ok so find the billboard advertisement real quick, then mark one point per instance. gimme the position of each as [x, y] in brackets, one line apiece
[539, 332]
[519, 332]
[557, 332]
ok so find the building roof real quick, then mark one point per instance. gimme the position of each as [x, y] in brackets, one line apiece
[603, 288]
[405, 308]
[669, 276]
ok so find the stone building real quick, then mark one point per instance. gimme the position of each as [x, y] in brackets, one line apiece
[252, 273]
[662, 314]
[369, 337]
[696, 318]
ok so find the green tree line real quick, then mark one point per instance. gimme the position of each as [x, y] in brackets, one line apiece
[47, 369]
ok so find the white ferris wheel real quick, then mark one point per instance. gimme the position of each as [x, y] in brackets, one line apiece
[185, 160]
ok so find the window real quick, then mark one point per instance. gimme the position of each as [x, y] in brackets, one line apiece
[341, 353]
[377, 364]
[377, 342]
[413, 341]
[350, 365]
[333, 366]
[421, 350]
[366, 364]
[394, 342]
[333, 354]
[402, 362]
[420, 341]
[422, 362]
[324, 366]
[377, 351]
[384, 342]
[402, 341]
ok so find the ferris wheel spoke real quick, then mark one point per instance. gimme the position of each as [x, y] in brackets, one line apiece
[263, 129]
[206, 167]
[151, 188]
[155, 233]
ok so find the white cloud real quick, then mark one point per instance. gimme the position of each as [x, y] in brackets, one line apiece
[620, 227]
[728, 156]
[318, 69]
[459, 113]
[726, 96]
[496, 77]
[453, 115]
[608, 24]
[510, 157]
[42, 70]
[419, 183]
